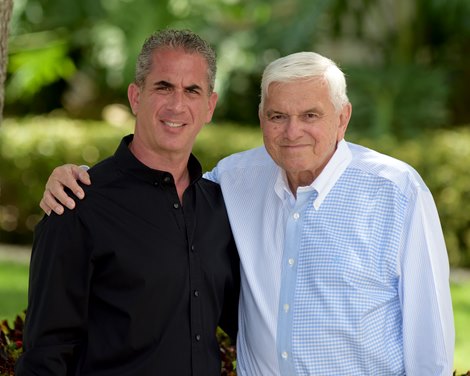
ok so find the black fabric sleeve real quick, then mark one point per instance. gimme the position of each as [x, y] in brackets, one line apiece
[229, 318]
[56, 318]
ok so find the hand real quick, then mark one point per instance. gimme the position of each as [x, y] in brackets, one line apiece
[54, 195]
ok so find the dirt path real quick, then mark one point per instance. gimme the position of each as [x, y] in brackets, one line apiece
[16, 253]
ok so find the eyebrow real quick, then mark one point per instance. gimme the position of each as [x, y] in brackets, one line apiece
[164, 83]
[275, 112]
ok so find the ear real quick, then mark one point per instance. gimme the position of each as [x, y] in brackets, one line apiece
[344, 117]
[260, 117]
[133, 94]
[211, 106]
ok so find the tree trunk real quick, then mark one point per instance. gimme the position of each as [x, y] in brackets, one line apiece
[6, 7]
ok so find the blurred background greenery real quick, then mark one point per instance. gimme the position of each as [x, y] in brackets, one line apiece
[407, 63]
[69, 64]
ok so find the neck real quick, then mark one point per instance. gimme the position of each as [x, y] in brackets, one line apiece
[300, 179]
[182, 182]
[175, 164]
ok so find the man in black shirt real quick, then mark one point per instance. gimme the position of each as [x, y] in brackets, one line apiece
[137, 278]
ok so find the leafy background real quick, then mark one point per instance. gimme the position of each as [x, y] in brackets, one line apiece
[407, 65]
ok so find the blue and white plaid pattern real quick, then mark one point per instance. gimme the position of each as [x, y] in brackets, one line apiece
[347, 282]
[350, 277]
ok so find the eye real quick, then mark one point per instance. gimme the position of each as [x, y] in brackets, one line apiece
[308, 117]
[192, 91]
[278, 118]
[163, 89]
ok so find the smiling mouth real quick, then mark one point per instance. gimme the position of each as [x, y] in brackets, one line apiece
[294, 146]
[172, 124]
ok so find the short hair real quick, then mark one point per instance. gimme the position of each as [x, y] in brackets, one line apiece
[172, 38]
[303, 65]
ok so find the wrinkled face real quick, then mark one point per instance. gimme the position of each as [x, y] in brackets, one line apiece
[173, 105]
[301, 127]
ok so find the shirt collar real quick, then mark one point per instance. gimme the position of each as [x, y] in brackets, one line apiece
[324, 182]
[128, 163]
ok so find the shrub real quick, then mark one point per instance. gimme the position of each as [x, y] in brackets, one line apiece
[11, 345]
[30, 148]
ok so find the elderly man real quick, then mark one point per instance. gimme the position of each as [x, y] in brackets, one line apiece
[344, 266]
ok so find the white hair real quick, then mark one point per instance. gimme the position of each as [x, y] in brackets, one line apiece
[302, 65]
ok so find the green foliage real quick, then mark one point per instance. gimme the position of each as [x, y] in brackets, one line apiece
[29, 150]
[392, 100]
[414, 53]
[35, 67]
[216, 141]
[11, 344]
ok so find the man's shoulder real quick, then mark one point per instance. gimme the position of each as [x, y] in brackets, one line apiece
[244, 168]
[103, 173]
[103, 167]
[253, 158]
[384, 166]
[104, 176]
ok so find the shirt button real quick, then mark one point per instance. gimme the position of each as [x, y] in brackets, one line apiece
[198, 337]
[296, 216]
[291, 262]
[286, 307]
[155, 183]
[196, 293]
[284, 355]
[193, 249]
[166, 179]
[176, 205]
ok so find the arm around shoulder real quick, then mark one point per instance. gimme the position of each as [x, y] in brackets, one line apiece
[62, 177]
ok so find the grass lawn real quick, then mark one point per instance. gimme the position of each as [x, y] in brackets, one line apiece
[461, 304]
[14, 286]
[13, 289]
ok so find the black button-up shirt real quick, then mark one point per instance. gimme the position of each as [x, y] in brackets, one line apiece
[131, 282]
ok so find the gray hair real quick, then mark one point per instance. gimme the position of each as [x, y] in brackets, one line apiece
[303, 65]
[171, 38]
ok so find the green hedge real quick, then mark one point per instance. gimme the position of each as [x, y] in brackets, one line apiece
[30, 148]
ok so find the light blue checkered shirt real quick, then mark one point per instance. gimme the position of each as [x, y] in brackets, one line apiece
[348, 278]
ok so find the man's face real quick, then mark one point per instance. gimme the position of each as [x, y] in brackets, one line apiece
[301, 127]
[173, 105]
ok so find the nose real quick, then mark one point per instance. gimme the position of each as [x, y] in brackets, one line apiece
[176, 101]
[293, 128]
